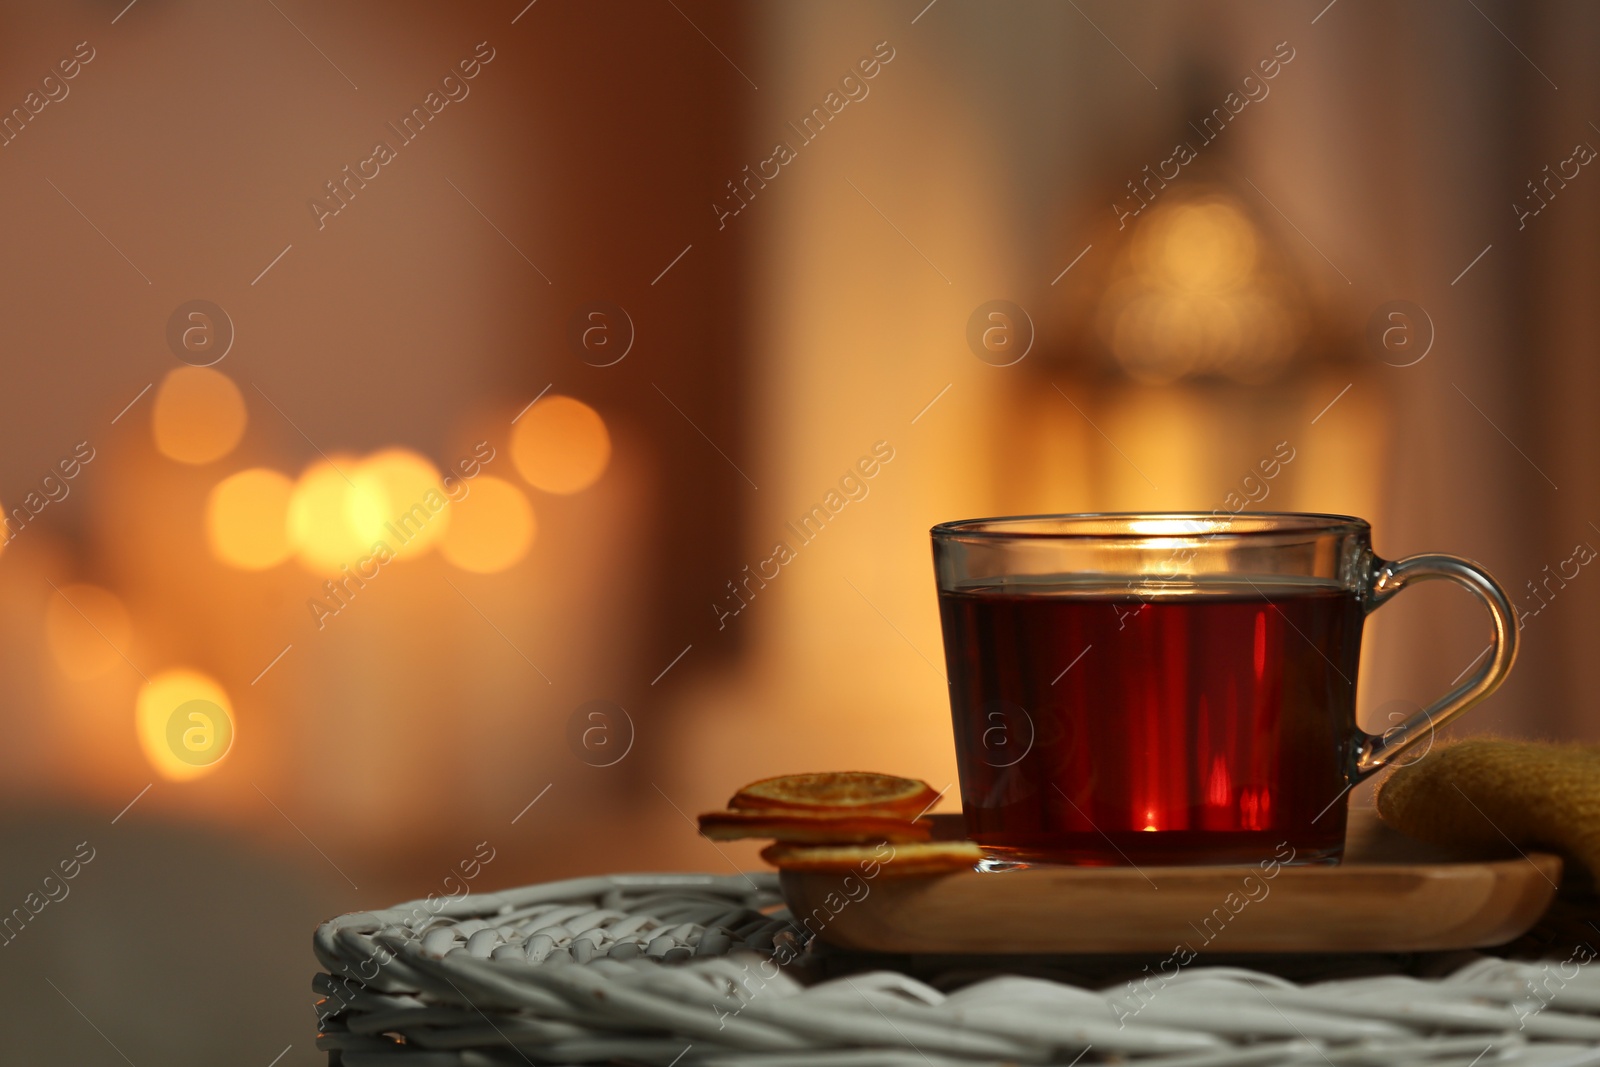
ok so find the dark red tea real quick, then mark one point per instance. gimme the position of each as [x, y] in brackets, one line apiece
[1210, 723]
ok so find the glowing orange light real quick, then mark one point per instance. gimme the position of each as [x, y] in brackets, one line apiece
[560, 445]
[1150, 821]
[398, 500]
[492, 528]
[247, 519]
[85, 626]
[199, 415]
[184, 722]
[320, 513]
[1196, 293]
[1206, 245]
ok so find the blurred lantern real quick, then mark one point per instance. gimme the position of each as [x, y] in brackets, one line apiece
[87, 630]
[1186, 361]
[247, 519]
[199, 415]
[491, 529]
[560, 445]
[184, 722]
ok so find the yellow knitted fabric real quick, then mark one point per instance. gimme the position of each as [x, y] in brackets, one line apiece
[1485, 791]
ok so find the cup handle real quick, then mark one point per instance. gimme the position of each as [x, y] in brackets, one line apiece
[1385, 579]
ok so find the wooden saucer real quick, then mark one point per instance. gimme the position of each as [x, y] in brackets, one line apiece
[1391, 894]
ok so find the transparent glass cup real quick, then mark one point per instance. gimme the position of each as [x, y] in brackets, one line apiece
[1174, 688]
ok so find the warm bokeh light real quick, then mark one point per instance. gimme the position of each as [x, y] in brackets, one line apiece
[87, 629]
[321, 508]
[185, 723]
[247, 519]
[493, 527]
[398, 500]
[1204, 246]
[1195, 294]
[560, 445]
[199, 415]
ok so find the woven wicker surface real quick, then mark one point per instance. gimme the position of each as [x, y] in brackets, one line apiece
[684, 969]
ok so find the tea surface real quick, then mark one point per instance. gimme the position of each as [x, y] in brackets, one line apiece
[1208, 722]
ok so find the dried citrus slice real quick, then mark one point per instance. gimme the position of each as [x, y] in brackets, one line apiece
[898, 860]
[837, 790]
[812, 826]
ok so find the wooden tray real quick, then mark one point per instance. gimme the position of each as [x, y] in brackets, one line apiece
[1390, 894]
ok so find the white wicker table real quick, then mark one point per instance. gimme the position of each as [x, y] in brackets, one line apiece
[668, 969]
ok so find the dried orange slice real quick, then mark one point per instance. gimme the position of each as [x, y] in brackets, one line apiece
[812, 826]
[898, 860]
[838, 791]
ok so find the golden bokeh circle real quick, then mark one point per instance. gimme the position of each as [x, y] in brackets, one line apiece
[247, 519]
[492, 527]
[397, 499]
[199, 415]
[199, 732]
[560, 445]
[320, 509]
[179, 745]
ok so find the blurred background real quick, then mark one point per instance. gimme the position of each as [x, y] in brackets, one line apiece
[469, 406]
